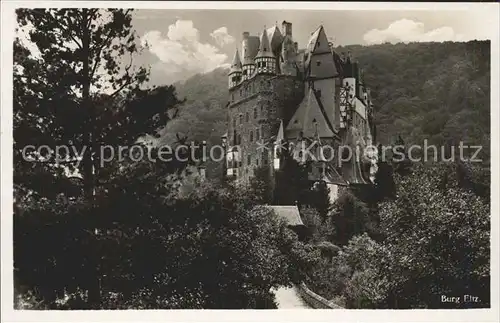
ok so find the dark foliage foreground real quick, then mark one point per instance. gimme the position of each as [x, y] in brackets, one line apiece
[148, 243]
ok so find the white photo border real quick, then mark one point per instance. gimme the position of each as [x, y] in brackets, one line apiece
[8, 23]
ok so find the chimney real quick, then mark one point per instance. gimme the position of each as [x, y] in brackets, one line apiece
[287, 28]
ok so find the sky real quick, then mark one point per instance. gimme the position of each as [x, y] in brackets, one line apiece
[182, 43]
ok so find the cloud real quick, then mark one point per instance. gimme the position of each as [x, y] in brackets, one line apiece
[222, 37]
[181, 53]
[406, 30]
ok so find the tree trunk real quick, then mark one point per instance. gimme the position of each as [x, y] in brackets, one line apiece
[94, 293]
[88, 175]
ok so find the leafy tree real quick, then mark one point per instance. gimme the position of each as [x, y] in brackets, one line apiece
[292, 183]
[438, 237]
[319, 198]
[349, 216]
[260, 184]
[401, 159]
[82, 89]
[77, 90]
[384, 180]
[355, 273]
[366, 283]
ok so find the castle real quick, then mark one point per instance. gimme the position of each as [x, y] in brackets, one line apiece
[279, 94]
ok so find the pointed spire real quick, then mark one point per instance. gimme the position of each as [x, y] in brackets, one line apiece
[236, 64]
[281, 134]
[264, 47]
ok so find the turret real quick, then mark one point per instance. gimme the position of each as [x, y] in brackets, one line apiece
[235, 71]
[265, 60]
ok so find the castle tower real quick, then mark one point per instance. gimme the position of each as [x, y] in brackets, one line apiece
[235, 71]
[288, 51]
[265, 60]
[248, 47]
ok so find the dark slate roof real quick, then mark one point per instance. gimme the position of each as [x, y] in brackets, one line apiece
[332, 175]
[265, 49]
[310, 111]
[236, 64]
[290, 213]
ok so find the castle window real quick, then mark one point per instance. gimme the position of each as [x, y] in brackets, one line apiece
[257, 161]
[263, 64]
[234, 123]
[318, 63]
[319, 93]
[251, 135]
[241, 118]
[257, 134]
[249, 160]
[245, 72]
[255, 113]
[264, 159]
[239, 140]
[247, 117]
[262, 109]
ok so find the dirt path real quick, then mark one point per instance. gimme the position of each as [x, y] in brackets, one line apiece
[288, 298]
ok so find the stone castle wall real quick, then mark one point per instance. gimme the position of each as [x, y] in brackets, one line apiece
[255, 109]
